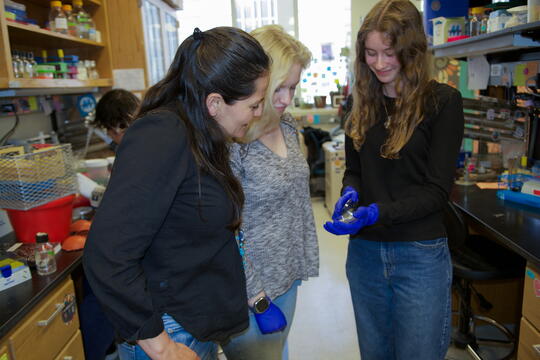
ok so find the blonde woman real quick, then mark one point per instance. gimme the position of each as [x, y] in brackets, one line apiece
[401, 145]
[281, 246]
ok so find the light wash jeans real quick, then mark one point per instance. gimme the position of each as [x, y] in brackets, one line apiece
[401, 293]
[205, 350]
[253, 345]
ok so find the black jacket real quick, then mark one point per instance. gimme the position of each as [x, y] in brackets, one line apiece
[149, 250]
[412, 190]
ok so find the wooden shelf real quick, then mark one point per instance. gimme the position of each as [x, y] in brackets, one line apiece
[331, 111]
[511, 39]
[47, 3]
[47, 83]
[34, 36]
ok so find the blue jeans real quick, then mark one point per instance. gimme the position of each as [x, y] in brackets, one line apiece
[252, 344]
[97, 331]
[401, 293]
[205, 350]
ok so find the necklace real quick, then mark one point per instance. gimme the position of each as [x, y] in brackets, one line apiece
[388, 117]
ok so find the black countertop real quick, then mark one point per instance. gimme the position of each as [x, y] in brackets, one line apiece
[20, 299]
[513, 225]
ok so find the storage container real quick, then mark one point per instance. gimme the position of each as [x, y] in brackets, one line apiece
[53, 218]
[33, 179]
[443, 28]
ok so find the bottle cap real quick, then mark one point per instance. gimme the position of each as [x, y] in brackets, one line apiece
[77, 2]
[523, 161]
[56, 4]
[42, 237]
[66, 7]
[477, 10]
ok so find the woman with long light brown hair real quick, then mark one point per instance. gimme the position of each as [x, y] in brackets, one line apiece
[402, 142]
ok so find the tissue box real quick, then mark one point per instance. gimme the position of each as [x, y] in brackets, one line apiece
[443, 28]
[13, 273]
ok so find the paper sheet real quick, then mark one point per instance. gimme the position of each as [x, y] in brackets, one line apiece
[490, 185]
[479, 70]
[129, 79]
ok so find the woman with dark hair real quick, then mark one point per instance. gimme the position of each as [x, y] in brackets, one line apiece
[161, 255]
[115, 111]
[401, 145]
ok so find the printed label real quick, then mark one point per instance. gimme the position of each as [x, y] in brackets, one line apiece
[536, 286]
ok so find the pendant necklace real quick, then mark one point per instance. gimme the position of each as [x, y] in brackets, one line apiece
[388, 117]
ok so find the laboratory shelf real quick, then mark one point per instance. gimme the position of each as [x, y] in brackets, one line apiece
[524, 36]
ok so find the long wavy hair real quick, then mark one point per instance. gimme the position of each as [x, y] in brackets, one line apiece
[285, 51]
[401, 25]
[223, 60]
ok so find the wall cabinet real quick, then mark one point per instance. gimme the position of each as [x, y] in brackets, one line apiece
[144, 35]
[23, 37]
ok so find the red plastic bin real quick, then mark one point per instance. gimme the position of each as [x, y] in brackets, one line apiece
[54, 218]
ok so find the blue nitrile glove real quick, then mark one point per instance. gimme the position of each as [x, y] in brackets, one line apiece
[272, 320]
[365, 215]
[349, 193]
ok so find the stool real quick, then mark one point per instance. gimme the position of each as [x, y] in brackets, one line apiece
[476, 258]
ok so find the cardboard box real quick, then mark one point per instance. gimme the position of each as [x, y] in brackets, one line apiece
[443, 28]
[19, 273]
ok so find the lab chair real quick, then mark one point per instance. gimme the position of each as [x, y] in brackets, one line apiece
[475, 259]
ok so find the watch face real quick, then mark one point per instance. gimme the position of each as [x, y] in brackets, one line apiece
[261, 305]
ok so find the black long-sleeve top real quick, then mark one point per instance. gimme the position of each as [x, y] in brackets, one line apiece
[150, 252]
[410, 191]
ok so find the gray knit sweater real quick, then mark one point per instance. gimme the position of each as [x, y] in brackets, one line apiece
[281, 242]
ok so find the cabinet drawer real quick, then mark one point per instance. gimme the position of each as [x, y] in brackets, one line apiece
[531, 296]
[73, 350]
[4, 354]
[529, 341]
[46, 330]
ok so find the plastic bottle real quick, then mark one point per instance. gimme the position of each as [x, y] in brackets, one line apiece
[57, 18]
[61, 74]
[92, 34]
[15, 63]
[475, 21]
[84, 21]
[484, 24]
[71, 20]
[33, 62]
[94, 75]
[45, 260]
[28, 68]
[82, 73]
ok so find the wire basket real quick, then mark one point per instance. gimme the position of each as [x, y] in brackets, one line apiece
[36, 178]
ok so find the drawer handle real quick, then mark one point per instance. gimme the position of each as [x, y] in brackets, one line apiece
[537, 348]
[44, 323]
[68, 357]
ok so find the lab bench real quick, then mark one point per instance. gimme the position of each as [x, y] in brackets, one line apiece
[516, 227]
[39, 317]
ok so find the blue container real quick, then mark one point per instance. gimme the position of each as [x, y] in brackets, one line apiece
[446, 8]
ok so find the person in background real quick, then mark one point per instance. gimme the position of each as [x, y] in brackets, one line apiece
[402, 142]
[281, 247]
[161, 255]
[115, 111]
